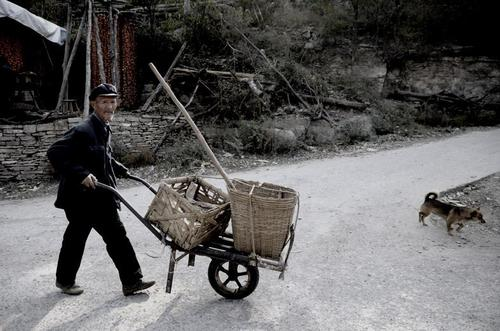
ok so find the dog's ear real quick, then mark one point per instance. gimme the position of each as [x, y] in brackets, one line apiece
[478, 208]
[474, 213]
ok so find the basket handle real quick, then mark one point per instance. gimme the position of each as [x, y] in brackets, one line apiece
[197, 132]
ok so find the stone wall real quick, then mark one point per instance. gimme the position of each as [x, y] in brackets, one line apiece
[23, 147]
[133, 134]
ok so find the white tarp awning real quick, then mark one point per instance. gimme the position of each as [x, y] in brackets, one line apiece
[49, 30]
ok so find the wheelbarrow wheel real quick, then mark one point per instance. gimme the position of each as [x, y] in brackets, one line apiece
[231, 279]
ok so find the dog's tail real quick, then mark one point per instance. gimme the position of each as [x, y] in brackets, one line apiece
[431, 196]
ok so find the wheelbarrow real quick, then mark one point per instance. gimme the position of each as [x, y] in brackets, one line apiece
[232, 274]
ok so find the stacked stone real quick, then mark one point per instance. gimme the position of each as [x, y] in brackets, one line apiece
[23, 148]
[139, 134]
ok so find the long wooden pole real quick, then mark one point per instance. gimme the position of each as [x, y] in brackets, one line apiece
[64, 83]
[68, 42]
[197, 132]
[88, 71]
[237, 75]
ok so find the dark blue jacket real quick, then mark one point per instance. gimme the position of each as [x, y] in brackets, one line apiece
[85, 149]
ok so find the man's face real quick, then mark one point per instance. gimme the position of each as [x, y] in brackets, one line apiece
[105, 107]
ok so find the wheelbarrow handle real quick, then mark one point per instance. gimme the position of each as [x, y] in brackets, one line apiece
[132, 210]
[138, 179]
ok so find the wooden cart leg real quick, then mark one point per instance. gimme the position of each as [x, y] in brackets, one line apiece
[191, 260]
[171, 269]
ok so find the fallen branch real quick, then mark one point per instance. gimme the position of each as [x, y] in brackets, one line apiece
[169, 72]
[400, 93]
[253, 87]
[337, 102]
[172, 127]
[250, 82]
[224, 74]
[192, 96]
[271, 65]
[187, 104]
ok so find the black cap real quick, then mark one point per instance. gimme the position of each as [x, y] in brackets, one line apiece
[103, 90]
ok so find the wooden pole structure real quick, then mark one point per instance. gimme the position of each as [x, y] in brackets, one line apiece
[197, 132]
[64, 83]
[68, 42]
[169, 72]
[100, 59]
[116, 51]
[88, 72]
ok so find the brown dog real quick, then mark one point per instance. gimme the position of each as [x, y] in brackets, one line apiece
[452, 214]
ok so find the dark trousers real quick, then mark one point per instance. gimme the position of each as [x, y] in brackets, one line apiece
[106, 222]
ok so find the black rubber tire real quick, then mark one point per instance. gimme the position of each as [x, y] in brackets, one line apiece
[231, 279]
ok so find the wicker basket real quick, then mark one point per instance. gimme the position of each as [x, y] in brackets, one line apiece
[189, 210]
[261, 216]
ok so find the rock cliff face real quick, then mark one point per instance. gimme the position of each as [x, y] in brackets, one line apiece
[471, 77]
[474, 77]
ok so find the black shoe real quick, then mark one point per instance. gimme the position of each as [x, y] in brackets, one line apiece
[138, 286]
[70, 289]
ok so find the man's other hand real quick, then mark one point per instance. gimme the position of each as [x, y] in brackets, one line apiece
[89, 181]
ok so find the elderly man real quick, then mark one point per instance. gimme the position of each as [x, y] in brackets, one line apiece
[82, 158]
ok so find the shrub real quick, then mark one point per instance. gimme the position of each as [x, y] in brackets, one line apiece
[203, 29]
[354, 129]
[253, 137]
[184, 151]
[236, 101]
[434, 113]
[391, 116]
[138, 158]
[355, 87]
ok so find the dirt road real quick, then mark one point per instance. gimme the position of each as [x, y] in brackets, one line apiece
[361, 260]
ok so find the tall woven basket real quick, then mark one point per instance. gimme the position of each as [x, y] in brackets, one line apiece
[189, 210]
[261, 214]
